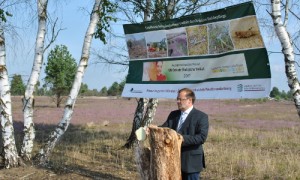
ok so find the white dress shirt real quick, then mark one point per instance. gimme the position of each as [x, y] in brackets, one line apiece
[183, 116]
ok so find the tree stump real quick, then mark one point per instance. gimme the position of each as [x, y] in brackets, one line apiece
[162, 161]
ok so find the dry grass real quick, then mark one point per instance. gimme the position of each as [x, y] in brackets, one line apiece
[95, 153]
[252, 154]
[247, 140]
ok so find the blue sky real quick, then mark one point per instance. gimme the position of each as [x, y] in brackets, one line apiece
[75, 20]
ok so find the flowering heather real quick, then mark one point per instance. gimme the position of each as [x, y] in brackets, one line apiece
[248, 139]
[235, 113]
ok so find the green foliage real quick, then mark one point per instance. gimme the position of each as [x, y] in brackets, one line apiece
[105, 12]
[122, 84]
[88, 92]
[259, 100]
[36, 88]
[103, 91]
[286, 96]
[60, 71]
[83, 88]
[114, 89]
[159, 10]
[93, 92]
[3, 15]
[275, 93]
[43, 92]
[17, 85]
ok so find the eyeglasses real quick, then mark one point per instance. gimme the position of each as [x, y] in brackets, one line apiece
[181, 99]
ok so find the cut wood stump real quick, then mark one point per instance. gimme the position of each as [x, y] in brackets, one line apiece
[162, 160]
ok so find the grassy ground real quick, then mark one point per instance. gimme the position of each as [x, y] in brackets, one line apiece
[247, 139]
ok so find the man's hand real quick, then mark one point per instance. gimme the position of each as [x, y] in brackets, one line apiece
[147, 130]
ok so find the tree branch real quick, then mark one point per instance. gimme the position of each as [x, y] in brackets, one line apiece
[286, 13]
[106, 60]
[53, 35]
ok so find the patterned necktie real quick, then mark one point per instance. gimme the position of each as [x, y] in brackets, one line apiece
[181, 120]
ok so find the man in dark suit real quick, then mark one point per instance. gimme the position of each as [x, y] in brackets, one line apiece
[192, 124]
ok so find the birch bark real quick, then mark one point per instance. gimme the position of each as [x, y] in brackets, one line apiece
[28, 99]
[288, 52]
[152, 103]
[137, 120]
[150, 112]
[44, 153]
[9, 145]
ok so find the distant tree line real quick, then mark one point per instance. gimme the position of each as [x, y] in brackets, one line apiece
[18, 89]
[278, 95]
[60, 72]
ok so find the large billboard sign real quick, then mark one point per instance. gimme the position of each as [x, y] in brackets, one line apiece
[219, 54]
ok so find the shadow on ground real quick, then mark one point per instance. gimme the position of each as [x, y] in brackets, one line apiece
[83, 167]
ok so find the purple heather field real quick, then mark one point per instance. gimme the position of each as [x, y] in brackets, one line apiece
[266, 115]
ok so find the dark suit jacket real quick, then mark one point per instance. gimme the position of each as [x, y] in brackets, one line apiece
[194, 131]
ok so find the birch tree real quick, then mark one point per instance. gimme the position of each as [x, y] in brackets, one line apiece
[10, 151]
[28, 99]
[138, 116]
[169, 9]
[280, 25]
[60, 72]
[99, 19]
[154, 10]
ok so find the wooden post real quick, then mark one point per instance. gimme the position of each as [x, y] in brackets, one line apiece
[164, 162]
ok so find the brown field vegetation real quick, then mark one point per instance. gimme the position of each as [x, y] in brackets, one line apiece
[248, 139]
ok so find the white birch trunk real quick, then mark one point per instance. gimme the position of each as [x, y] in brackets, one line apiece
[8, 140]
[153, 103]
[146, 117]
[288, 52]
[44, 154]
[28, 99]
[150, 112]
[137, 120]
